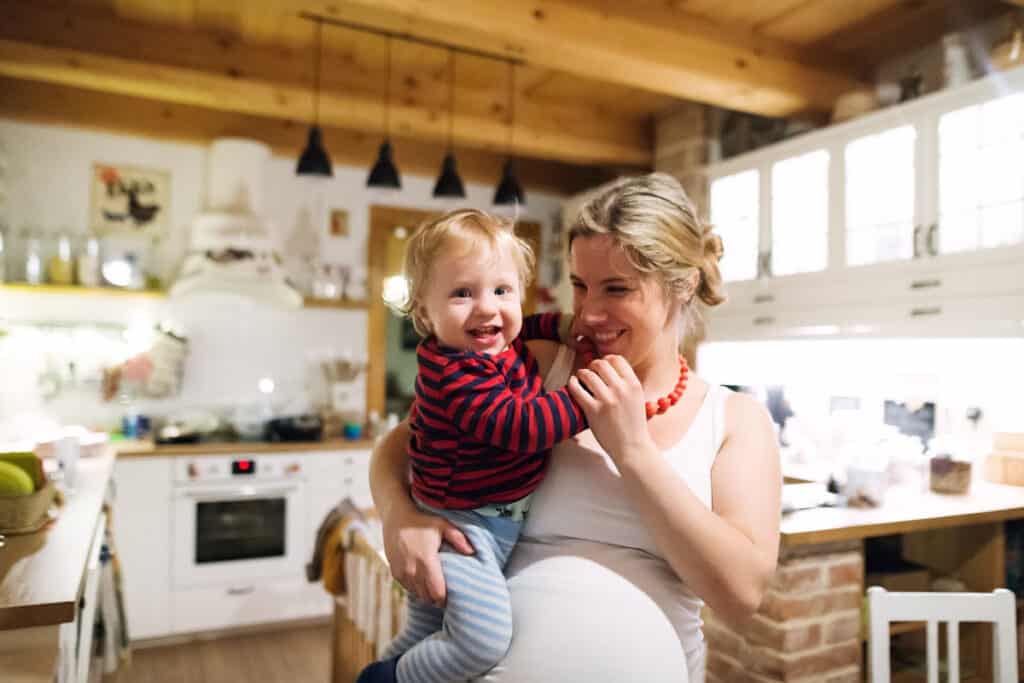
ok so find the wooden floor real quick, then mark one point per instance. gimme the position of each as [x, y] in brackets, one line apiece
[296, 656]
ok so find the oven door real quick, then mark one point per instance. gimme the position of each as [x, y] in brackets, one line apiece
[231, 531]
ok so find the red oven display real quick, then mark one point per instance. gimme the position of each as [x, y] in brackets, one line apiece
[243, 467]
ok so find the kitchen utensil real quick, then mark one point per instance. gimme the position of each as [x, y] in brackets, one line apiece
[306, 427]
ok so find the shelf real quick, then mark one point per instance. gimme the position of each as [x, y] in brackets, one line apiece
[80, 290]
[330, 303]
[154, 293]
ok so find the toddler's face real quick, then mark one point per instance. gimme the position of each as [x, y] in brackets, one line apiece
[473, 299]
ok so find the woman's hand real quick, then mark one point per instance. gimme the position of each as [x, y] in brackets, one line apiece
[411, 542]
[613, 401]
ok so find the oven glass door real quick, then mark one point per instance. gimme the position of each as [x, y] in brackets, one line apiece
[230, 532]
[243, 529]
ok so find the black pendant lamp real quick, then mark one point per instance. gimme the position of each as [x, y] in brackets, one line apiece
[449, 184]
[509, 190]
[314, 160]
[384, 173]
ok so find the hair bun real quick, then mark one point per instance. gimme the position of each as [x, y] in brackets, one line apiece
[713, 247]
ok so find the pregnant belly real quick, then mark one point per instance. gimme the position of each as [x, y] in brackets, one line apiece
[586, 617]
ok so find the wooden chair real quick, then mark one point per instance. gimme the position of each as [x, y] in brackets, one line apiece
[998, 608]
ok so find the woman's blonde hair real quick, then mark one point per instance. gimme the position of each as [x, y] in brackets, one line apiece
[466, 228]
[657, 226]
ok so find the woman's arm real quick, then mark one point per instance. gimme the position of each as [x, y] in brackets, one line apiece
[411, 538]
[727, 554]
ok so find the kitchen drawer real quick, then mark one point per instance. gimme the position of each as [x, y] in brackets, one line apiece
[246, 603]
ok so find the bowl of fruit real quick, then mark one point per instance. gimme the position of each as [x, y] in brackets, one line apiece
[25, 493]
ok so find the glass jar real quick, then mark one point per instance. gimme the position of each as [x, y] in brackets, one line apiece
[60, 267]
[88, 264]
[34, 273]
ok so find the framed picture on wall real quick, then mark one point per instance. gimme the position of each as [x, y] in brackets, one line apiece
[337, 223]
[129, 199]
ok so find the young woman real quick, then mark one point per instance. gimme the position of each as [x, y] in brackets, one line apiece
[640, 520]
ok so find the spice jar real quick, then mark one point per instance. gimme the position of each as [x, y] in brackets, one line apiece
[88, 264]
[33, 258]
[60, 268]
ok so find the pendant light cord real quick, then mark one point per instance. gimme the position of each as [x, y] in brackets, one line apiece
[511, 108]
[316, 74]
[387, 96]
[451, 99]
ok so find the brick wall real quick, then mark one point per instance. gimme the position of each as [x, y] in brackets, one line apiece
[681, 144]
[807, 629]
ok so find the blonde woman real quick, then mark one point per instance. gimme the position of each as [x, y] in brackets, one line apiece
[640, 520]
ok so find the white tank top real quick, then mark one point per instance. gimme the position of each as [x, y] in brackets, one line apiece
[592, 597]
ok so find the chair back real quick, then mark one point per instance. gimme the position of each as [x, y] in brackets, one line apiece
[998, 608]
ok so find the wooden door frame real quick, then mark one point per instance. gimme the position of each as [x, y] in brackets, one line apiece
[383, 220]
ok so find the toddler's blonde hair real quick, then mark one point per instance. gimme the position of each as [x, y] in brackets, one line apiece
[469, 229]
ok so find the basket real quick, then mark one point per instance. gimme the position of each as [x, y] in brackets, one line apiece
[25, 514]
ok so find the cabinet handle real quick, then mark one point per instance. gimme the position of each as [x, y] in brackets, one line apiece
[917, 241]
[925, 284]
[924, 311]
[245, 590]
[933, 247]
[765, 264]
[764, 299]
[764, 320]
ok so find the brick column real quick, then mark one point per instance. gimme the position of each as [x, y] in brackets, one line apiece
[808, 627]
[681, 146]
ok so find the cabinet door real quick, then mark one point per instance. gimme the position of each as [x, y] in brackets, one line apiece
[880, 198]
[735, 212]
[142, 531]
[799, 225]
[981, 177]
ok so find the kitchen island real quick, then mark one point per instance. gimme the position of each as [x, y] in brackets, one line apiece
[809, 626]
[49, 581]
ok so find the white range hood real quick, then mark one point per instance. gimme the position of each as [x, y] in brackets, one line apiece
[230, 250]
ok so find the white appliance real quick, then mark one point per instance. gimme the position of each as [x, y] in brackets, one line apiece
[238, 520]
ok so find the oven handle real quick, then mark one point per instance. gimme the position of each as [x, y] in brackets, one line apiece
[236, 493]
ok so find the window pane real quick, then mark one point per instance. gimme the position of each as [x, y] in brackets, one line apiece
[880, 195]
[800, 214]
[735, 213]
[981, 176]
[1001, 224]
[958, 231]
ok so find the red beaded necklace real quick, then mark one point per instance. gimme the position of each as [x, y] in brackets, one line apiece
[665, 402]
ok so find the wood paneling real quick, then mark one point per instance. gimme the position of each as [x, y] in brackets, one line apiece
[700, 64]
[257, 96]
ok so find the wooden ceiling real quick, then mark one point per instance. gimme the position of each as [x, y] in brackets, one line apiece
[592, 73]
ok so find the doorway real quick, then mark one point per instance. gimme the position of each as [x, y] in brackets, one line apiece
[391, 362]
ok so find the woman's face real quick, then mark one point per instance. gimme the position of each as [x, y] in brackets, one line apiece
[622, 310]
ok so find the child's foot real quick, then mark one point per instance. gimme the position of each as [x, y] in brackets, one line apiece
[384, 671]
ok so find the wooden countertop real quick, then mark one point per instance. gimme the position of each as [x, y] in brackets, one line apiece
[127, 449]
[905, 510]
[41, 573]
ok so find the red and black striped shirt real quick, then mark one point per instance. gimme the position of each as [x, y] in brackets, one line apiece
[483, 426]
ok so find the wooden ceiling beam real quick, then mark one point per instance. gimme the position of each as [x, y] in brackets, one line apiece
[694, 62]
[35, 102]
[75, 47]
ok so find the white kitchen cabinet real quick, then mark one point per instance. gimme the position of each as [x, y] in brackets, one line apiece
[924, 208]
[143, 533]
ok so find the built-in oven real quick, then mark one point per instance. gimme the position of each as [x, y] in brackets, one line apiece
[238, 519]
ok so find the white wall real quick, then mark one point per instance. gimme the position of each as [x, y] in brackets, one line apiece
[234, 342]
